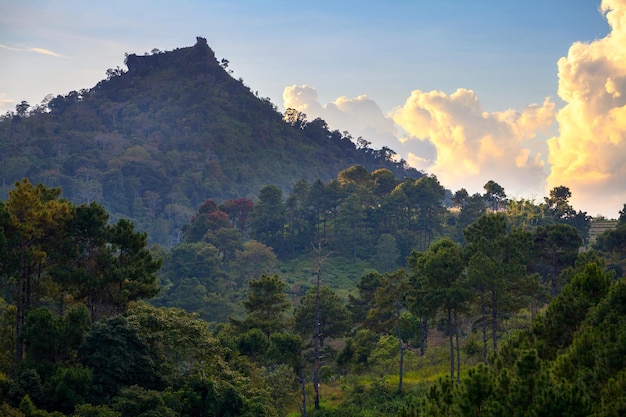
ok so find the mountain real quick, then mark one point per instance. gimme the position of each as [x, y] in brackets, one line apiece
[153, 142]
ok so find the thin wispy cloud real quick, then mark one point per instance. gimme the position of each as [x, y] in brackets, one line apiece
[4, 102]
[45, 52]
[41, 51]
[9, 48]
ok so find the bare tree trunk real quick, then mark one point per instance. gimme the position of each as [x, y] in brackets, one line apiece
[19, 345]
[483, 313]
[458, 351]
[450, 337]
[494, 320]
[399, 331]
[423, 335]
[316, 337]
[553, 279]
[303, 384]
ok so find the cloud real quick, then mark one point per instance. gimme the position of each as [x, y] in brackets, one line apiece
[41, 51]
[589, 153]
[6, 104]
[45, 52]
[9, 48]
[304, 99]
[361, 116]
[448, 135]
[473, 146]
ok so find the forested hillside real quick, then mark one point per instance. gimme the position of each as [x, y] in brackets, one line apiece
[362, 220]
[500, 313]
[153, 142]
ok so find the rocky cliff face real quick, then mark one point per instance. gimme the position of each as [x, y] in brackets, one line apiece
[201, 53]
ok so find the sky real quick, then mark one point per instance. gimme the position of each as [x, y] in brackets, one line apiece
[529, 94]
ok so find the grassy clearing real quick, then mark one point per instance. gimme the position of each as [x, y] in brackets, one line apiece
[420, 373]
[338, 273]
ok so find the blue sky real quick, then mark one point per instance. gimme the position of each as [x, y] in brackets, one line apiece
[370, 67]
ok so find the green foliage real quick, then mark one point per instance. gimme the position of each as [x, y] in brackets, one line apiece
[118, 356]
[42, 333]
[178, 341]
[557, 327]
[555, 248]
[284, 348]
[7, 411]
[334, 316]
[497, 271]
[268, 217]
[356, 354]
[71, 276]
[68, 387]
[359, 307]
[253, 343]
[135, 401]
[612, 244]
[88, 410]
[282, 383]
[437, 285]
[266, 305]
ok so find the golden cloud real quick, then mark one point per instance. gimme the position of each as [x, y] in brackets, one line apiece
[589, 153]
[474, 146]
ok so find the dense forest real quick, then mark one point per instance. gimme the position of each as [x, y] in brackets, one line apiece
[171, 245]
[504, 312]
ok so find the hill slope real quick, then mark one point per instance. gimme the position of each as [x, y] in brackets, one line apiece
[153, 142]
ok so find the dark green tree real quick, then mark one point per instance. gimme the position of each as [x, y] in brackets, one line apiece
[194, 260]
[390, 303]
[118, 356]
[556, 328]
[562, 212]
[459, 198]
[612, 245]
[267, 220]
[32, 217]
[471, 211]
[424, 207]
[134, 269]
[494, 194]
[359, 306]
[266, 305]
[299, 225]
[251, 262]
[356, 175]
[435, 277]
[555, 248]
[334, 317]
[497, 270]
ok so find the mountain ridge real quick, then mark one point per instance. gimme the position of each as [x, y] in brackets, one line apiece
[153, 142]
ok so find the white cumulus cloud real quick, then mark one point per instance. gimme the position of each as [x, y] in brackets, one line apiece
[474, 146]
[362, 117]
[589, 153]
